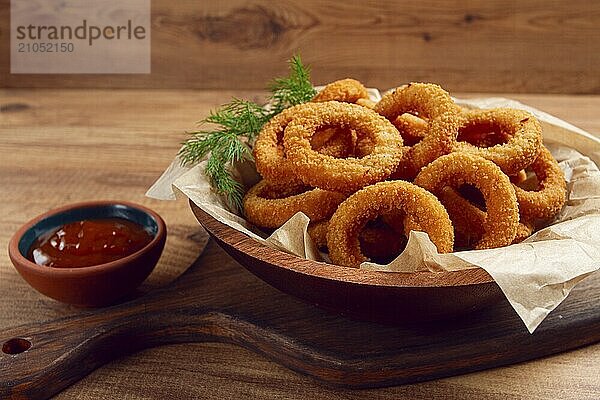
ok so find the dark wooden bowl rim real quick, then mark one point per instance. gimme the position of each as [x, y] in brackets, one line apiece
[243, 243]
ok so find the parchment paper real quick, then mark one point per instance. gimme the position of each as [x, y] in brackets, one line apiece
[535, 275]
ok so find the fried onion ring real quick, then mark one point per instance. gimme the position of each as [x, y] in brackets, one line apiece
[318, 233]
[344, 90]
[468, 220]
[335, 142]
[427, 101]
[270, 205]
[268, 151]
[412, 128]
[549, 199]
[377, 240]
[457, 169]
[366, 103]
[340, 142]
[523, 131]
[519, 177]
[372, 201]
[270, 159]
[349, 174]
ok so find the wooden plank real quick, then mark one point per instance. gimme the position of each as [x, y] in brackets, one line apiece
[535, 46]
[217, 300]
[61, 146]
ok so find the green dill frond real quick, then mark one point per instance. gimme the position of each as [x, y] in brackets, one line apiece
[238, 115]
[197, 147]
[249, 117]
[218, 171]
[237, 124]
[295, 89]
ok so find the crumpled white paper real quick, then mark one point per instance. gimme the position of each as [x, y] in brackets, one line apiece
[535, 275]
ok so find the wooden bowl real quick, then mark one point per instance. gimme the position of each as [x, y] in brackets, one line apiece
[96, 285]
[370, 295]
[388, 297]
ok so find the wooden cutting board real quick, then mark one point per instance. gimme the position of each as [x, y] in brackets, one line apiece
[218, 300]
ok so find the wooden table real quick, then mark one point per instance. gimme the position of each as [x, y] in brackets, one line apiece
[63, 146]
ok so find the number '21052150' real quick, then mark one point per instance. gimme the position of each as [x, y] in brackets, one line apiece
[45, 47]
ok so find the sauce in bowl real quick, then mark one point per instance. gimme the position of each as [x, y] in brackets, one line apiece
[88, 242]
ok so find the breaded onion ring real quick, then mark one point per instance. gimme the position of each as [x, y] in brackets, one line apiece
[469, 220]
[268, 150]
[335, 142]
[318, 233]
[349, 174]
[269, 153]
[519, 177]
[523, 130]
[457, 169]
[549, 199]
[377, 240]
[524, 230]
[344, 90]
[383, 197]
[427, 101]
[270, 205]
[340, 142]
[412, 128]
[366, 103]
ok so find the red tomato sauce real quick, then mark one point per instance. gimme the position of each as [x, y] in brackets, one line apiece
[89, 242]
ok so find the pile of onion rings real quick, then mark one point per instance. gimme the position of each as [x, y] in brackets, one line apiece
[366, 173]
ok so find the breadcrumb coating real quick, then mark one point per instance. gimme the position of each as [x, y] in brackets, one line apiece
[270, 205]
[345, 90]
[384, 197]
[347, 163]
[348, 174]
[550, 197]
[429, 101]
[524, 134]
[457, 169]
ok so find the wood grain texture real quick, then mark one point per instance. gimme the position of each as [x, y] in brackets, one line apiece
[60, 146]
[215, 300]
[533, 46]
[363, 295]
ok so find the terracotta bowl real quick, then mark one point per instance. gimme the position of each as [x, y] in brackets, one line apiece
[367, 295]
[97, 285]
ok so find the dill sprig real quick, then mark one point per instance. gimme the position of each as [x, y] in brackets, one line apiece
[295, 89]
[236, 124]
[232, 122]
